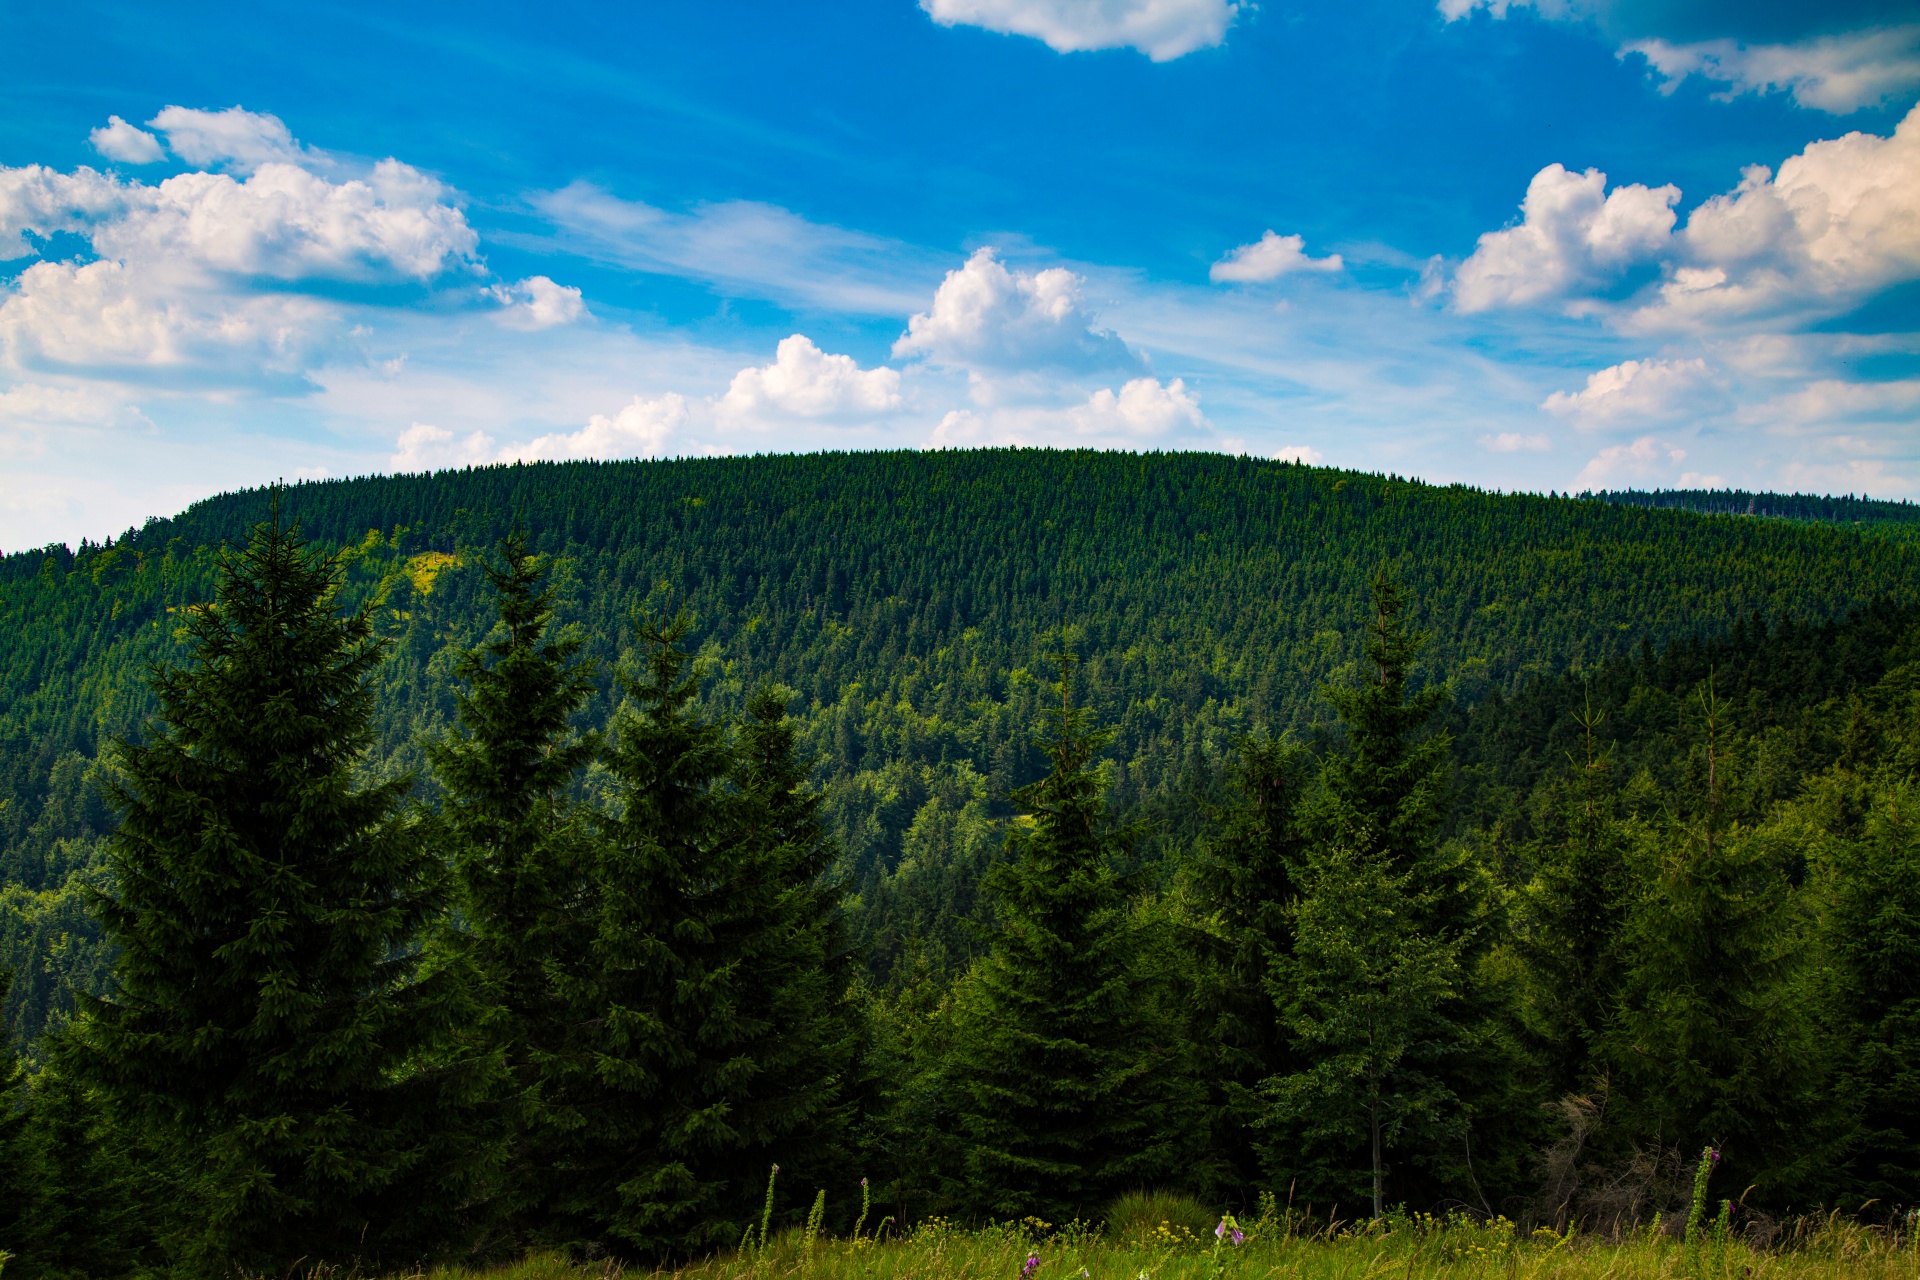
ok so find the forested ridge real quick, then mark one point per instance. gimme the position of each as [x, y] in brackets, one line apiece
[1214, 727]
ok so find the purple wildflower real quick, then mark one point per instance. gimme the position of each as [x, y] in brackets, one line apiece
[1220, 1230]
[1033, 1265]
[1239, 1236]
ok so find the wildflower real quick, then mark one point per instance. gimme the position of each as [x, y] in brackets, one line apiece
[1033, 1265]
[1239, 1236]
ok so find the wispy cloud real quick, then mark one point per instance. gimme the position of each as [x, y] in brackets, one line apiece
[745, 247]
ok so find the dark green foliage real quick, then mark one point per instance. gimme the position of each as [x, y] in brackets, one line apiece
[1243, 881]
[520, 848]
[1712, 1042]
[718, 1040]
[1068, 1089]
[642, 991]
[265, 1023]
[1871, 886]
[903, 596]
[1372, 994]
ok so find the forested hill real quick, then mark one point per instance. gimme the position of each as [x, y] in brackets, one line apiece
[909, 599]
[1902, 517]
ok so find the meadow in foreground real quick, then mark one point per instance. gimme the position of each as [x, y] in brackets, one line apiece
[1813, 1250]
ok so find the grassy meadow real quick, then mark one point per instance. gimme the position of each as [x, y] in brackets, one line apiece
[1812, 1249]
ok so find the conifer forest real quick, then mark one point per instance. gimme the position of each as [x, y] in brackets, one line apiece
[631, 862]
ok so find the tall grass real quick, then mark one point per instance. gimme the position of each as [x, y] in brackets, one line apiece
[1403, 1249]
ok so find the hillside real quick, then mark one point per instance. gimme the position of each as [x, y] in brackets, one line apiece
[909, 600]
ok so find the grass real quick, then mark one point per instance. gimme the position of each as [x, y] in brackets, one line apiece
[1828, 1249]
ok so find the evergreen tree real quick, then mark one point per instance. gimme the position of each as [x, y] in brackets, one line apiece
[16, 1176]
[720, 1045]
[1872, 933]
[1569, 922]
[794, 946]
[1400, 922]
[1365, 995]
[1070, 1083]
[1712, 1041]
[1244, 881]
[520, 848]
[266, 1024]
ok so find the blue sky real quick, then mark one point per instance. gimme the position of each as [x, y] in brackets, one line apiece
[1558, 245]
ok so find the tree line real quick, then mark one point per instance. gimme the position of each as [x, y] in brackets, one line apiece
[589, 995]
[907, 600]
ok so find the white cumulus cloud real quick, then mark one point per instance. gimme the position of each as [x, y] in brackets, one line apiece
[118, 140]
[1837, 223]
[1574, 236]
[197, 271]
[1268, 258]
[1638, 391]
[537, 303]
[1515, 442]
[236, 138]
[425, 447]
[987, 316]
[1647, 460]
[1301, 453]
[1143, 412]
[1161, 29]
[1836, 73]
[806, 382]
[643, 429]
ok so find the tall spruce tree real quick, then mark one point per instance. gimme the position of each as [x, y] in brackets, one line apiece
[1069, 1078]
[266, 1024]
[1569, 920]
[521, 850]
[1379, 1002]
[1713, 1040]
[1871, 932]
[1364, 993]
[795, 948]
[17, 1177]
[718, 1045]
[1244, 881]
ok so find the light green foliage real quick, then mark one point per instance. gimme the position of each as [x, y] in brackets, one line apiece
[1283, 1248]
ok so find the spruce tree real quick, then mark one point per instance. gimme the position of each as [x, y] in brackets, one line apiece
[520, 848]
[1872, 933]
[1569, 921]
[795, 948]
[265, 1023]
[1070, 1084]
[1365, 994]
[1712, 1041]
[1396, 921]
[17, 1178]
[1244, 881]
[717, 1043]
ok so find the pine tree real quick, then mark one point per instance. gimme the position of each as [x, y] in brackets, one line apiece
[1872, 932]
[520, 847]
[1712, 1042]
[1244, 881]
[1397, 922]
[16, 1174]
[1069, 1083]
[1570, 920]
[266, 1024]
[718, 1042]
[795, 948]
[1365, 994]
